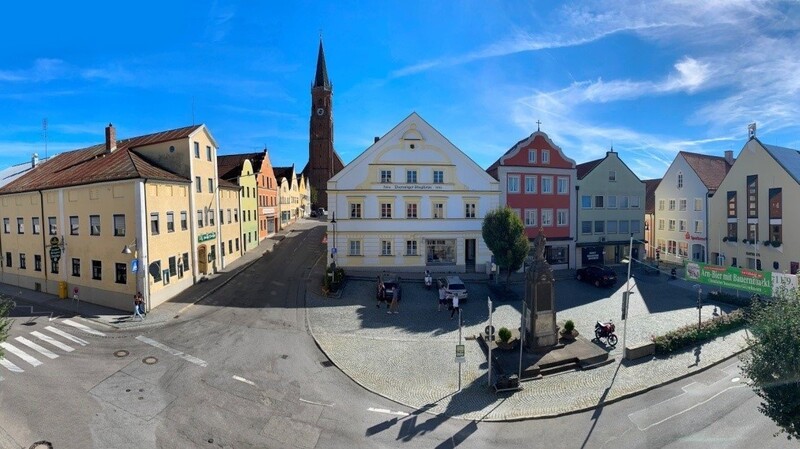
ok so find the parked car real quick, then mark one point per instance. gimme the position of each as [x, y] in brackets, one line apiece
[599, 275]
[453, 285]
[322, 212]
[313, 214]
[390, 281]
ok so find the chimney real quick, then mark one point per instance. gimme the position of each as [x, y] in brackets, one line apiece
[376, 139]
[729, 156]
[111, 138]
[34, 160]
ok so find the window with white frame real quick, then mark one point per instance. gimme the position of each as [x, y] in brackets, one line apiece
[623, 227]
[52, 225]
[661, 224]
[154, 229]
[671, 226]
[680, 180]
[682, 204]
[469, 210]
[598, 201]
[545, 156]
[586, 201]
[586, 227]
[530, 217]
[355, 210]
[36, 225]
[438, 176]
[20, 225]
[530, 184]
[635, 201]
[411, 176]
[200, 218]
[547, 184]
[636, 226]
[73, 225]
[660, 204]
[671, 204]
[563, 185]
[438, 209]
[411, 210]
[599, 227]
[611, 227]
[386, 210]
[513, 184]
[672, 247]
[698, 226]
[562, 217]
[119, 225]
[386, 247]
[683, 249]
[94, 225]
[623, 201]
[698, 204]
[411, 247]
[682, 225]
[547, 217]
[612, 175]
[612, 201]
[355, 247]
[386, 176]
[531, 156]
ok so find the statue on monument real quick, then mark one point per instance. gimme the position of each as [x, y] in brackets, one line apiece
[540, 310]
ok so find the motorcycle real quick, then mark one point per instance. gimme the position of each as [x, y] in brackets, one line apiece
[605, 331]
[428, 280]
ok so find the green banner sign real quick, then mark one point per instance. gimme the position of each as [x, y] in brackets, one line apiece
[764, 283]
[203, 237]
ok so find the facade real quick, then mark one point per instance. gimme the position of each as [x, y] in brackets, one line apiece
[268, 215]
[230, 225]
[412, 200]
[650, 218]
[304, 196]
[682, 200]
[749, 206]
[288, 195]
[537, 181]
[155, 196]
[323, 161]
[610, 210]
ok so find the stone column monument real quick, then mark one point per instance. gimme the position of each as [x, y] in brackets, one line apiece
[540, 306]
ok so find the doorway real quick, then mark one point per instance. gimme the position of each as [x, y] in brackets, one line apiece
[202, 259]
[469, 255]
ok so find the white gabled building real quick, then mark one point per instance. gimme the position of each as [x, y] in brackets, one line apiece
[411, 201]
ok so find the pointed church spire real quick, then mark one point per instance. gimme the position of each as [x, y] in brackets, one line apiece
[321, 79]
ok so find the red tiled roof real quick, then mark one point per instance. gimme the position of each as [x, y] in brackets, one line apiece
[710, 169]
[229, 166]
[228, 184]
[650, 186]
[584, 169]
[92, 164]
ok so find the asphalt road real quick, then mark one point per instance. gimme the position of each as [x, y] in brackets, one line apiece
[240, 370]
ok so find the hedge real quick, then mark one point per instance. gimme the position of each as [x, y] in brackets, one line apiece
[690, 335]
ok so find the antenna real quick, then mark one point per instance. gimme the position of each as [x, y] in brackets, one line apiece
[192, 110]
[44, 134]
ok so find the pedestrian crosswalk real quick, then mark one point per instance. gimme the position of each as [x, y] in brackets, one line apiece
[25, 352]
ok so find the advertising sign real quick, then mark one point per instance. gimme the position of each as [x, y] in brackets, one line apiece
[764, 283]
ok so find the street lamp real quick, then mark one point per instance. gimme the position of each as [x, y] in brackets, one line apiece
[333, 248]
[626, 298]
[127, 248]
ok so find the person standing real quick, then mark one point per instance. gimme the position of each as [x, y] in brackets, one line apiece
[136, 307]
[141, 304]
[455, 305]
[381, 292]
[442, 298]
[395, 305]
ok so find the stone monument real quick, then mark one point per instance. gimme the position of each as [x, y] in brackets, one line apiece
[539, 306]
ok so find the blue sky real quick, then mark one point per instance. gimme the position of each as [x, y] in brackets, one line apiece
[649, 78]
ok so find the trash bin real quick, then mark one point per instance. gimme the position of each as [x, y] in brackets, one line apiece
[62, 290]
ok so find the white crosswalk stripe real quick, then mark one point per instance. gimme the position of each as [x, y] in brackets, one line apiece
[67, 336]
[84, 328]
[10, 366]
[44, 351]
[175, 352]
[52, 341]
[20, 353]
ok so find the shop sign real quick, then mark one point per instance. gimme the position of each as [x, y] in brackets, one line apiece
[204, 237]
[764, 283]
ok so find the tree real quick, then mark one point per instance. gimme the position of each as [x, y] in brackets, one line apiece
[773, 363]
[5, 323]
[504, 234]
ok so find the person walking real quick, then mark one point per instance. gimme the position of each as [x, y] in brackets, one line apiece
[394, 307]
[136, 308]
[141, 304]
[442, 298]
[455, 305]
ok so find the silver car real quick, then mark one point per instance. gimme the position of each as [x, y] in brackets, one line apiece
[453, 285]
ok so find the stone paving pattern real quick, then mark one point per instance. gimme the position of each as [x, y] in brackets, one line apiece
[410, 357]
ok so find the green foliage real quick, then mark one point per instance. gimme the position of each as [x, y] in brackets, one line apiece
[5, 323]
[689, 335]
[504, 334]
[773, 363]
[569, 326]
[331, 283]
[504, 235]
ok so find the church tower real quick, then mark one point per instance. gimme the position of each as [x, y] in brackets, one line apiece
[323, 162]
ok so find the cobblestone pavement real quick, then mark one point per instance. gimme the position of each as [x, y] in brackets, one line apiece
[410, 357]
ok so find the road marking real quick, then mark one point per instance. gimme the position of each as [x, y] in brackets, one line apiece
[10, 366]
[67, 336]
[324, 404]
[86, 329]
[387, 411]
[242, 379]
[175, 352]
[52, 341]
[688, 408]
[20, 353]
[44, 351]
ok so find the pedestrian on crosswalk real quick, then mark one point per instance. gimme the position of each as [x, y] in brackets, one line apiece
[394, 307]
[442, 298]
[455, 305]
[137, 303]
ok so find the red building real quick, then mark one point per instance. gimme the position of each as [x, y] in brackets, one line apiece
[538, 181]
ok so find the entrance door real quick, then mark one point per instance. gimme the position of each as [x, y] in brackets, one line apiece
[202, 259]
[469, 254]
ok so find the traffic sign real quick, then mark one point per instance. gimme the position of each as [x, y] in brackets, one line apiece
[134, 265]
[55, 253]
[460, 354]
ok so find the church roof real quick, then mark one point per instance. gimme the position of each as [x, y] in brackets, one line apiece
[321, 79]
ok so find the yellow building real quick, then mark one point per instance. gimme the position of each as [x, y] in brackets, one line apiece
[303, 196]
[288, 195]
[238, 169]
[123, 216]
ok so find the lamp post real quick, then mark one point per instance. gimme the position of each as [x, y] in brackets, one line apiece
[333, 247]
[626, 298]
[140, 286]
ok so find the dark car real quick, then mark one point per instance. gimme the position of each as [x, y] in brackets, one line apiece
[313, 214]
[599, 275]
[389, 281]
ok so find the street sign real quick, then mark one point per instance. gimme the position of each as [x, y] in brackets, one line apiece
[55, 253]
[460, 354]
[333, 250]
[134, 265]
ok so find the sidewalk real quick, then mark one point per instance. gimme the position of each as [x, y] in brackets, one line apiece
[165, 312]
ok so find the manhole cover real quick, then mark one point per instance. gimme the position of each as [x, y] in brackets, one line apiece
[121, 353]
[41, 444]
[326, 364]
[150, 360]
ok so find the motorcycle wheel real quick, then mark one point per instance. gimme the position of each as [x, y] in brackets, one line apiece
[612, 340]
[597, 334]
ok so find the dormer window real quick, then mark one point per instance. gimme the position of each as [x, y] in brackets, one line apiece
[531, 156]
[612, 175]
[545, 156]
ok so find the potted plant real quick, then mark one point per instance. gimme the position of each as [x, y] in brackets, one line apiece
[776, 243]
[568, 331]
[767, 242]
[505, 335]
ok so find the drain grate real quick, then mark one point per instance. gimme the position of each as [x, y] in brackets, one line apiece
[326, 363]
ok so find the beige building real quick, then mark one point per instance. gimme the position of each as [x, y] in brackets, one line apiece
[112, 219]
[288, 195]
